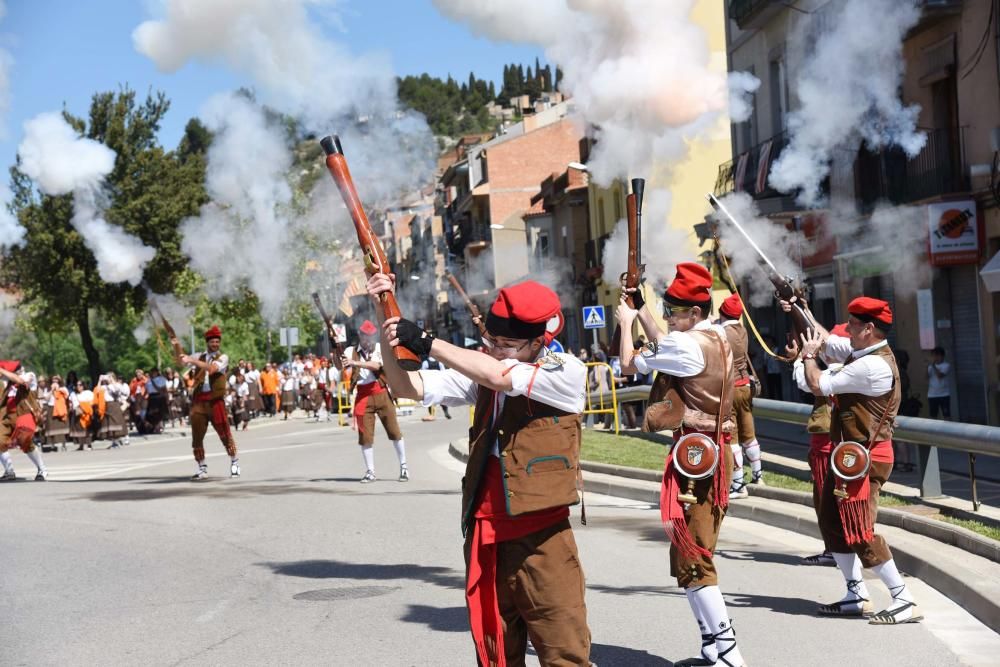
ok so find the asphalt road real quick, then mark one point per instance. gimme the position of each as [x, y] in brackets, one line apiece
[121, 560]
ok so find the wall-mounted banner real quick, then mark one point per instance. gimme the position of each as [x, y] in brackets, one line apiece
[953, 233]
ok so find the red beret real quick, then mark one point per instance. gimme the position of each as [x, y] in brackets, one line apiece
[840, 330]
[868, 309]
[368, 329]
[214, 332]
[732, 307]
[10, 365]
[692, 286]
[525, 310]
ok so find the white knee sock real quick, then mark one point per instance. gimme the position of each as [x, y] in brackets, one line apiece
[850, 567]
[893, 580]
[752, 450]
[8, 465]
[368, 454]
[713, 608]
[36, 457]
[738, 466]
[400, 451]
[708, 650]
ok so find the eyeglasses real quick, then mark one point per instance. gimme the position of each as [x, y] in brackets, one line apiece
[670, 311]
[491, 344]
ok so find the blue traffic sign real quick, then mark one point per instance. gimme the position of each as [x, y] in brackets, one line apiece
[593, 317]
[556, 346]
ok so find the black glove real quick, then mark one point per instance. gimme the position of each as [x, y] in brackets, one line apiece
[637, 299]
[413, 338]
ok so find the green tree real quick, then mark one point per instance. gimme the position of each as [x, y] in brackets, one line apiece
[150, 191]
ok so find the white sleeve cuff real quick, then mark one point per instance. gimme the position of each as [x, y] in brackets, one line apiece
[640, 364]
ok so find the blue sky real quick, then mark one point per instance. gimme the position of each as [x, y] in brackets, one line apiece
[66, 50]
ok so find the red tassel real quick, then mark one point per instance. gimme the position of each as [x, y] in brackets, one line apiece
[672, 515]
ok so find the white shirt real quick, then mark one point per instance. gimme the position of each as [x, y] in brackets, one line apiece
[242, 389]
[560, 386]
[365, 376]
[677, 353]
[289, 383]
[938, 387]
[868, 375]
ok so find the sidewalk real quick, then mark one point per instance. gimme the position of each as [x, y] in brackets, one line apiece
[957, 562]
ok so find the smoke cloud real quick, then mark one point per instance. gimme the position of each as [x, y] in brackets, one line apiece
[61, 162]
[847, 89]
[784, 248]
[174, 311]
[261, 231]
[646, 93]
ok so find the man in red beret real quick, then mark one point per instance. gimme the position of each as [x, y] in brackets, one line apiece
[19, 417]
[866, 393]
[208, 403]
[696, 360]
[730, 317]
[373, 400]
[820, 445]
[523, 573]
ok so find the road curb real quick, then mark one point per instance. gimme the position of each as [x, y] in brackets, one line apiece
[963, 582]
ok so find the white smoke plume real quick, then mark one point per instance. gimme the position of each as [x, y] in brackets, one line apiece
[255, 218]
[177, 314]
[847, 89]
[784, 248]
[11, 231]
[241, 234]
[639, 70]
[277, 43]
[663, 246]
[61, 162]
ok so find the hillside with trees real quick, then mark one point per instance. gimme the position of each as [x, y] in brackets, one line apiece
[454, 109]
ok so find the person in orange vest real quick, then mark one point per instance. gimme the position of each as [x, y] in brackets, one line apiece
[208, 404]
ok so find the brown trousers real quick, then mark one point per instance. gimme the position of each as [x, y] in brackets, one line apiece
[203, 412]
[381, 405]
[873, 552]
[743, 414]
[704, 520]
[540, 594]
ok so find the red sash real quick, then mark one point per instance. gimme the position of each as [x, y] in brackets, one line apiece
[855, 514]
[671, 508]
[361, 402]
[492, 525]
[820, 448]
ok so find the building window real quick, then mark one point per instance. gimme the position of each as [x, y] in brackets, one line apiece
[779, 95]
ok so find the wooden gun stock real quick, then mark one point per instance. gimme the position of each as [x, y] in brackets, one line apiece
[174, 343]
[632, 278]
[477, 317]
[374, 257]
[338, 348]
[800, 315]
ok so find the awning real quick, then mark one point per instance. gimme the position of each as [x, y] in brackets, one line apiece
[991, 274]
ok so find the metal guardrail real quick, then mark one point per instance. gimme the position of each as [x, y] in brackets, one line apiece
[929, 434]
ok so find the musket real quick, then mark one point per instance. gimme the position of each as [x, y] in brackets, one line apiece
[375, 259]
[477, 317]
[174, 342]
[632, 278]
[338, 348]
[802, 319]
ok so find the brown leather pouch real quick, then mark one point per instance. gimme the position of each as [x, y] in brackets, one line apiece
[666, 409]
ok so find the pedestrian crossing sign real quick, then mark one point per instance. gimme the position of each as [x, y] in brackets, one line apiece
[593, 317]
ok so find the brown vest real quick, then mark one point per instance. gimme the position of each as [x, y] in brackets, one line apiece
[217, 381]
[736, 335]
[855, 416]
[702, 393]
[26, 400]
[539, 455]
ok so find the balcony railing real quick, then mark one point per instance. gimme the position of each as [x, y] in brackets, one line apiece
[938, 169]
[749, 171]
